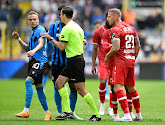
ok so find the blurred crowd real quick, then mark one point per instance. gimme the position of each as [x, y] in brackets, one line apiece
[87, 12]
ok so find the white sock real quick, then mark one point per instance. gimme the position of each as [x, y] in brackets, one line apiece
[26, 109]
[47, 112]
[102, 104]
[127, 114]
[138, 114]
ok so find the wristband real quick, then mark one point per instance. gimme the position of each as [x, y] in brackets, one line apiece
[19, 39]
[51, 38]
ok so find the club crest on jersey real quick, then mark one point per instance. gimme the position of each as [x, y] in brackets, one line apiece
[113, 35]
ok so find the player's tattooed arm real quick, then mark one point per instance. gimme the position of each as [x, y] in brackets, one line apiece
[137, 46]
[115, 48]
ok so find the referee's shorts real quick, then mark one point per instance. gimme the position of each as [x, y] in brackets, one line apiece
[74, 69]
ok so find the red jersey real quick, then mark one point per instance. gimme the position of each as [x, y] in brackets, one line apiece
[97, 39]
[125, 57]
[107, 46]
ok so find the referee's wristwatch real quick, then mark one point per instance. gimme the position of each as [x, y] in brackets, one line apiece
[51, 38]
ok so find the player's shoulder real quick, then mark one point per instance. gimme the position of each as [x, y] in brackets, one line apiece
[55, 23]
[40, 28]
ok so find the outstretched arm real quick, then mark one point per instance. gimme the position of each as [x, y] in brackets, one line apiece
[59, 45]
[25, 46]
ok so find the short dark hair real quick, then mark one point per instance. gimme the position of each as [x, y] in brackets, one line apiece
[61, 7]
[106, 15]
[68, 11]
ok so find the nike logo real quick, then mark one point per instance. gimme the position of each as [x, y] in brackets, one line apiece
[62, 36]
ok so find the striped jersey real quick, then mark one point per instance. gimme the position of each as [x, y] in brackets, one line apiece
[40, 55]
[58, 56]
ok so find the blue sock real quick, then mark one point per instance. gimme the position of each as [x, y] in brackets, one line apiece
[73, 100]
[107, 89]
[44, 80]
[42, 97]
[28, 93]
[57, 99]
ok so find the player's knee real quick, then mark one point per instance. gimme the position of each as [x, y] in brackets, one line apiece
[28, 83]
[103, 81]
[130, 88]
[118, 87]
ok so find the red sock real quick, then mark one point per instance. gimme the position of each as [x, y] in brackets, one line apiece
[102, 91]
[115, 104]
[122, 100]
[129, 100]
[136, 101]
[110, 101]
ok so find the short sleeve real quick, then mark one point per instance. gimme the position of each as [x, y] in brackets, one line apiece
[50, 32]
[65, 33]
[96, 37]
[115, 33]
[38, 31]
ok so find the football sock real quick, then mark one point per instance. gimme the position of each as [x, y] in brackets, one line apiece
[122, 100]
[73, 100]
[102, 91]
[65, 99]
[110, 101]
[44, 80]
[90, 101]
[136, 101]
[28, 93]
[26, 109]
[42, 97]
[57, 99]
[115, 103]
[129, 100]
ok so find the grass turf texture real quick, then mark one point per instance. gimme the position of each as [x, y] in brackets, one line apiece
[12, 92]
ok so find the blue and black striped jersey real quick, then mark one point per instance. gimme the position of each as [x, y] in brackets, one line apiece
[58, 56]
[40, 55]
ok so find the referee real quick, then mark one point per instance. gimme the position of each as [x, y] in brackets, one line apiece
[72, 37]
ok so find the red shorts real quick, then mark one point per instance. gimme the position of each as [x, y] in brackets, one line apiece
[123, 75]
[103, 71]
[110, 76]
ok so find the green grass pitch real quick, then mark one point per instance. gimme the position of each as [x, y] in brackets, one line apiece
[12, 92]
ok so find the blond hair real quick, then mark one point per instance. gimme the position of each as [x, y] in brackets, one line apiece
[115, 11]
[32, 12]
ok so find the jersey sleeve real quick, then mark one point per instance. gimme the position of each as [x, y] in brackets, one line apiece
[50, 32]
[38, 31]
[65, 33]
[115, 33]
[96, 37]
[135, 33]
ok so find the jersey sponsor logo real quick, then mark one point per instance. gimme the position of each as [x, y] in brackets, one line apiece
[129, 51]
[127, 29]
[130, 57]
[62, 36]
